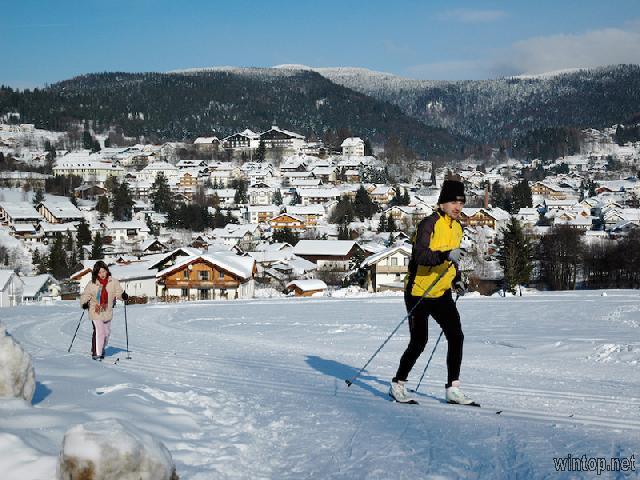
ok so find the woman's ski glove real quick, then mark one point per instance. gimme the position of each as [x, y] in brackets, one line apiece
[85, 306]
[125, 296]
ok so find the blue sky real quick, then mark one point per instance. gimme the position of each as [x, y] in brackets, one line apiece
[46, 41]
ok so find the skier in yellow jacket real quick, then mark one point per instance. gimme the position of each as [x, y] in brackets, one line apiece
[433, 272]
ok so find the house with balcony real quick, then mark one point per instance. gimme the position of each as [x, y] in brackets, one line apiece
[332, 255]
[353, 147]
[288, 221]
[386, 269]
[215, 276]
[125, 232]
[59, 210]
[11, 288]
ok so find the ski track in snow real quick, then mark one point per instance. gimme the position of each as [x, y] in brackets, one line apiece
[256, 389]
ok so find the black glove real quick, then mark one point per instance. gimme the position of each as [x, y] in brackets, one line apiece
[460, 287]
[85, 306]
[125, 296]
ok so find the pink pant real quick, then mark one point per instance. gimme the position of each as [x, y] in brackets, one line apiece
[101, 332]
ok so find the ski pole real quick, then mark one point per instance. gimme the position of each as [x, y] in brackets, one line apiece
[431, 356]
[74, 335]
[350, 381]
[126, 330]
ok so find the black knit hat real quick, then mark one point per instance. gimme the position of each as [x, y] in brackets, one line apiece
[452, 191]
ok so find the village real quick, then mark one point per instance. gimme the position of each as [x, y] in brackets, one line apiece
[292, 217]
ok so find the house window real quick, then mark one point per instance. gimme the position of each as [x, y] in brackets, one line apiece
[394, 262]
[185, 292]
[221, 276]
[406, 261]
[204, 276]
[203, 294]
[185, 274]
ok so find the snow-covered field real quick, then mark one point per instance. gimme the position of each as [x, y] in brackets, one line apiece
[255, 389]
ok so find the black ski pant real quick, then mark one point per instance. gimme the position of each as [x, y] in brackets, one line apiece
[443, 310]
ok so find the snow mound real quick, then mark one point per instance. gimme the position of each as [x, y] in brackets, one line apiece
[617, 353]
[17, 377]
[107, 450]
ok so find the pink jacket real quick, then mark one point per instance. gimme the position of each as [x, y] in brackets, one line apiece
[90, 294]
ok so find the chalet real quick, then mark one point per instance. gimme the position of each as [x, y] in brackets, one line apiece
[311, 196]
[207, 144]
[11, 287]
[551, 191]
[260, 194]
[208, 277]
[293, 164]
[334, 255]
[40, 288]
[326, 174]
[244, 140]
[59, 210]
[353, 146]
[22, 213]
[18, 179]
[199, 165]
[386, 269]
[528, 216]
[494, 218]
[221, 174]
[261, 213]
[242, 235]
[407, 215]
[288, 221]
[226, 196]
[382, 194]
[283, 139]
[152, 245]
[47, 232]
[90, 192]
[151, 171]
[121, 232]
[91, 167]
[307, 288]
[310, 213]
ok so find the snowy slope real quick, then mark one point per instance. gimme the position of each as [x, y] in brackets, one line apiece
[255, 389]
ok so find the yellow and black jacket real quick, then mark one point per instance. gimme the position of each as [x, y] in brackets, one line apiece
[435, 237]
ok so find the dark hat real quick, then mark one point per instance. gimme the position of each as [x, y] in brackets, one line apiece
[452, 191]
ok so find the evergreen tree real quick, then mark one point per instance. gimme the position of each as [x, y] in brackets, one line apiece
[38, 262]
[295, 199]
[343, 231]
[161, 195]
[277, 198]
[57, 262]
[229, 218]
[102, 205]
[515, 255]
[97, 251]
[521, 196]
[261, 152]
[382, 224]
[285, 235]
[87, 140]
[343, 211]
[406, 200]
[83, 235]
[363, 206]
[38, 197]
[391, 224]
[121, 202]
[241, 191]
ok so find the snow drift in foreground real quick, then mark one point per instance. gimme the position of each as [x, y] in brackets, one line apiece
[17, 378]
[255, 389]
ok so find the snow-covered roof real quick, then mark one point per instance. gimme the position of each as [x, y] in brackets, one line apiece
[324, 247]
[5, 277]
[307, 285]
[237, 265]
[352, 142]
[47, 227]
[61, 207]
[314, 209]
[20, 210]
[206, 140]
[373, 259]
[130, 225]
[33, 284]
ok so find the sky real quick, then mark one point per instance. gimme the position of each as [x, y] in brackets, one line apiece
[437, 40]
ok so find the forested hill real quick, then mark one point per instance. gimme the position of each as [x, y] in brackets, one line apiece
[488, 110]
[177, 106]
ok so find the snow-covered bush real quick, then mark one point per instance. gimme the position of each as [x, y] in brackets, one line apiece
[17, 378]
[108, 450]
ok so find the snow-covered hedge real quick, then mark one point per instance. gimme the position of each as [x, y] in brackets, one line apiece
[17, 378]
[108, 450]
